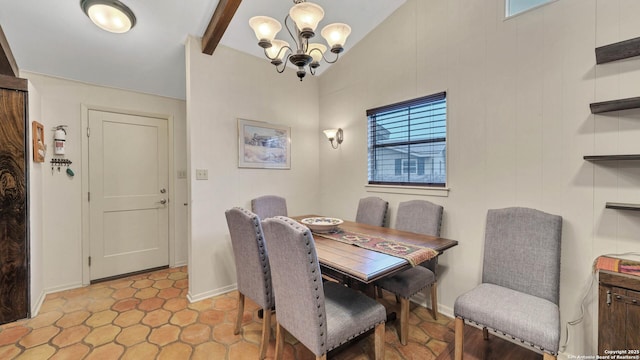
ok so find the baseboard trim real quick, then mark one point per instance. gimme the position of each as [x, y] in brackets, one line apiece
[35, 309]
[211, 293]
[63, 288]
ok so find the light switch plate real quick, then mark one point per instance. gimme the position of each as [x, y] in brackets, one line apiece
[202, 174]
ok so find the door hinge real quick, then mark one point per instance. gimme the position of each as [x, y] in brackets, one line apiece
[89, 260]
[89, 196]
[88, 132]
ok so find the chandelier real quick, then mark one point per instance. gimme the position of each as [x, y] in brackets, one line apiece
[305, 16]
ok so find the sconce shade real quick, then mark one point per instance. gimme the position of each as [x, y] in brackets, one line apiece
[336, 35]
[274, 51]
[306, 15]
[265, 28]
[331, 133]
[109, 15]
[335, 137]
[316, 50]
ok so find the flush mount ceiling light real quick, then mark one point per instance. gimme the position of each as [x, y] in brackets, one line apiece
[109, 15]
[305, 17]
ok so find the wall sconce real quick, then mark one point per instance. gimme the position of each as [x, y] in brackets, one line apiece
[335, 137]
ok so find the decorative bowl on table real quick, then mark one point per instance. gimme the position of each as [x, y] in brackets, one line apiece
[322, 224]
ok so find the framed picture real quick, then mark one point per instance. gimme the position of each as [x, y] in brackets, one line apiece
[263, 145]
[37, 133]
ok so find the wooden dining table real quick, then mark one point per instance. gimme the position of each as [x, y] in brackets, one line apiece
[339, 260]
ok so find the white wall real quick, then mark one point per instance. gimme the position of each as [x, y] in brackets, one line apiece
[220, 89]
[60, 199]
[518, 94]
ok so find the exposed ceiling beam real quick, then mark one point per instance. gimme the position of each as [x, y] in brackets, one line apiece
[218, 25]
[8, 64]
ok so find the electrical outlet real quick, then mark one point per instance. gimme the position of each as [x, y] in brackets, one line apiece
[202, 174]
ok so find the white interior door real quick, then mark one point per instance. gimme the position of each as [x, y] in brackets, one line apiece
[128, 187]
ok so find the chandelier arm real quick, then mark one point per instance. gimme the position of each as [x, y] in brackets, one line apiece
[296, 39]
[284, 48]
[284, 65]
[330, 62]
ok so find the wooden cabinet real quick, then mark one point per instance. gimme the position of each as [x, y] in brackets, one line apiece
[618, 312]
[14, 180]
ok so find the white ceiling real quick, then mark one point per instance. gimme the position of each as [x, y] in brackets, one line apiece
[54, 37]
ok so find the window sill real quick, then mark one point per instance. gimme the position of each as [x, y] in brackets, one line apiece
[410, 190]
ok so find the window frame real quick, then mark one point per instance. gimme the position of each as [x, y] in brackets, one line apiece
[389, 186]
[507, 6]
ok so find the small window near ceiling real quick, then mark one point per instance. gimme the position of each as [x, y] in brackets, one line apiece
[514, 7]
[408, 142]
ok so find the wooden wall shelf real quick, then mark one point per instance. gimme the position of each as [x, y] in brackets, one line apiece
[618, 51]
[615, 105]
[611, 157]
[623, 206]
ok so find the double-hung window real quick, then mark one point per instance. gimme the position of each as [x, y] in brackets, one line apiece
[408, 142]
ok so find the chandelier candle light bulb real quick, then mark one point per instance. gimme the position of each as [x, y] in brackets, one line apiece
[306, 17]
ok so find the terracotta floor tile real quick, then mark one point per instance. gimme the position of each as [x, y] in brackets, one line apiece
[151, 304]
[70, 335]
[102, 335]
[123, 293]
[39, 336]
[9, 351]
[111, 351]
[209, 350]
[141, 351]
[100, 304]
[201, 305]
[73, 319]
[164, 335]
[181, 284]
[75, 304]
[120, 284]
[100, 293]
[101, 318]
[45, 319]
[44, 351]
[225, 304]
[211, 317]
[176, 304]
[223, 334]
[73, 352]
[156, 318]
[146, 293]
[12, 335]
[177, 276]
[243, 351]
[169, 293]
[159, 275]
[163, 284]
[175, 351]
[184, 317]
[141, 284]
[129, 318]
[196, 334]
[133, 335]
[51, 304]
[125, 304]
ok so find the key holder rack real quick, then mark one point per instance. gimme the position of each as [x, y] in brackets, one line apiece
[59, 163]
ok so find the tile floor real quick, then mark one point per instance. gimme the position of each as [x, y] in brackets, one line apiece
[148, 317]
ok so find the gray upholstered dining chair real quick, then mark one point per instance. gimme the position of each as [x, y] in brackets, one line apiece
[423, 217]
[520, 287]
[252, 268]
[269, 206]
[321, 315]
[372, 211]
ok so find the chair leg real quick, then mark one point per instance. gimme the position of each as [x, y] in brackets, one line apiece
[459, 351]
[434, 300]
[404, 320]
[322, 357]
[380, 295]
[266, 333]
[485, 333]
[548, 356]
[236, 331]
[279, 342]
[379, 342]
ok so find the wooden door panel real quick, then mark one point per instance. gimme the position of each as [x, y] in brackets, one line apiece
[14, 296]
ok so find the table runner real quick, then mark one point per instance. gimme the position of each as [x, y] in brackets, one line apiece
[624, 266]
[412, 253]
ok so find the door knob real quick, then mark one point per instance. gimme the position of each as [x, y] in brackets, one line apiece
[163, 201]
[162, 191]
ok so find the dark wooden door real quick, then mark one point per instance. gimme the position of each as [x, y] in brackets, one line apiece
[14, 246]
